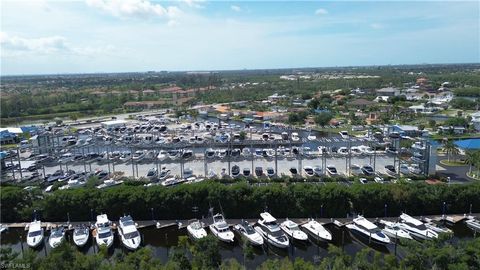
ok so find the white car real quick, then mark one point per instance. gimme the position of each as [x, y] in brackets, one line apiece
[344, 134]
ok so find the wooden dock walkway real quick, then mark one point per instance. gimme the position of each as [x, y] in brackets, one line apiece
[159, 224]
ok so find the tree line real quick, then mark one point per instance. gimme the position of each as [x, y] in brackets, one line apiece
[239, 200]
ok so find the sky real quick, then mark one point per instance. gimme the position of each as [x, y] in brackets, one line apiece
[45, 37]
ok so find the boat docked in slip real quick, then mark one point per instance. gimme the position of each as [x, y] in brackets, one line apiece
[432, 225]
[104, 234]
[210, 153]
[394, 231]
[220, 229]
[367, 230]
[269, 229]
[57, 235]
[81, 234]
[35, 234]
[473, 224]
[152, 173]
[317, 231]
[293, 231]
[129, 235]
[109, 183]
[195, 230]
[246, 230]
[416, 228]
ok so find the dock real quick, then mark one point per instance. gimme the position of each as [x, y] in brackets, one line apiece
[180, 224]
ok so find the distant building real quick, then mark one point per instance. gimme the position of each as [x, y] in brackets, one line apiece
[450, 129]
[405, 130]
[276, 97]
[422, 81]
[360, 103]
[476, 120]
[109, 125]
[388, 91]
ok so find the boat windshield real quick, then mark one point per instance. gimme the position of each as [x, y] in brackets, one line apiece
[81, 231]
[132, 235]
[34, 233]
[421, 227]
[249, 229]
[196, 226]
[105, 234]
[57, 233]
[276, 234]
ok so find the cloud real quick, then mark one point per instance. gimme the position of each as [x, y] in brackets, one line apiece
[134, 8]
[377, 26]
[18, 46]
[235, 8]
[193, 3]
[321, 11]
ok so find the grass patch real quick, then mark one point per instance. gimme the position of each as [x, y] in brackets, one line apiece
[452, 163]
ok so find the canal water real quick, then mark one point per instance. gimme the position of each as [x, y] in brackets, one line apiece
[161, 241]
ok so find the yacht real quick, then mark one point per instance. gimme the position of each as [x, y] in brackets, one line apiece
[73, 183]
[220, 229]
[366, 229]
[128, 233]
[152, 173]
[343, 151]
[81, 234]
[293, 171]
[331, 170]
[187, 172]
[172, 181]
[258, 153]
[394, 231]
[344, 134]
[390, 170]
[57, 235]
[473, 224]
[246, 152]
[268, 228]
[236, 153]
[415, 169]
[295, 137]
[138, 155]
[35, 234]
[195, 230]
[221, 153]
[366, 150]
[164, 173]
[416, 228]
[355, 169]
[404, 170]
[284, 136]
[311, 137]
[162, 155]
[317, 231]
[103, 235]
[246, 172]
[293, 231]
[109, 183]
[308, 171]
[187, 154]
[317, 170]
[355, 150]
[235, 171]
[368, 170]
[246, 230]
[270, 172]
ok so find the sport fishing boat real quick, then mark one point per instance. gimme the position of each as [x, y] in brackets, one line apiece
[220, 229]
[195, 230]
[416, 228]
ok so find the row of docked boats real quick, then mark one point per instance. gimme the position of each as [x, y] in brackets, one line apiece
[102, 233]
[266, 230]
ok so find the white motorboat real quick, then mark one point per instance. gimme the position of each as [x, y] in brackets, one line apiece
[246, 152]
[317, 231]
[3, 228]
[187, 172]
[344, 134]
[139, 155]
[416, 228]
[284, 136]
[128, 233]
[343, 151]
[81, 234]
[246, 172]
[73, 183]
[311, 137]
[270, 172]
[366, 150]
[390, 170]
[473, 224]
[35, 234]
[309, 172]
[235, 171]
[187, 154]
[57, 235]
[109, 183]
[293, 231]
[247, 231]
[415, 169]
[162, 155]
[173, 181]
[295, 137]
[152, 173]
[393, 230]
[268, 228]
[221, 153]
[195, 230]
[173, 154]
[355, 150]
[368, 170]
[212, 174]
[164, 173]
[317, 170]
[103, 234]
[220, 229]
[331, 170]
[355, 169]
[367, 230]
[404, 170]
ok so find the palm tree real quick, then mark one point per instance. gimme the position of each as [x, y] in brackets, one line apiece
[450, 148]
[471, 158]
